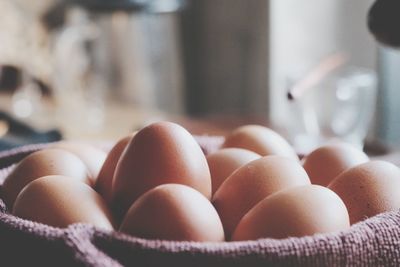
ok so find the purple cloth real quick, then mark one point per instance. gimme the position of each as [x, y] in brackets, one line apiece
[374, 242]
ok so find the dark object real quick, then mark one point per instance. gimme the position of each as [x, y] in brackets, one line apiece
[226, 53]
[54, 17]
[10, 78]
[373, 242]
[384, 22]
[20, 134]
[151, 6]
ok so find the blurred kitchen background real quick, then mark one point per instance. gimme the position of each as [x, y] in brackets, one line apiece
[96, 69]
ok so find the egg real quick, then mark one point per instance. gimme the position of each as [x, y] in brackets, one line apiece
[173, 212]
[369, 189]
[260, 140]
[225, 161]
[160, 153]
[252, 183]
[295, 212]
[105, 178]
[60, 201]
[327, 162]
[42, 163]
[92, 156]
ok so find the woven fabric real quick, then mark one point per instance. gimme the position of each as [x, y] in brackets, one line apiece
[374, 242]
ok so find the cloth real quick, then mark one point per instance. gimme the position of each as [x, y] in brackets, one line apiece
[373, 242]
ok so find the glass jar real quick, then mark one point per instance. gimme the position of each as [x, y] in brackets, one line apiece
[120, 52]
[339, 107]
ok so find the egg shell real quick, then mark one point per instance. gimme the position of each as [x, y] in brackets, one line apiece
[369, 189]
[295, 212]
[225, 161]
[105, 179]
[160, 153]
[92, 156]
[42, 163]
[260, 140]
[60, 201]
[252, 183]
[327, 162]
[173, 212]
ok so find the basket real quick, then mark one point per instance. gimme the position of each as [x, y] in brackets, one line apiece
[373, 242]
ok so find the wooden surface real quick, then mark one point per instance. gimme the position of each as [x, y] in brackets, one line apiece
[119, 120]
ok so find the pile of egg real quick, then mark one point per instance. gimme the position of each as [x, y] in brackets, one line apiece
[158, 184]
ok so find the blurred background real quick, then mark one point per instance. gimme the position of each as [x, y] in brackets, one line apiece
[97, 69]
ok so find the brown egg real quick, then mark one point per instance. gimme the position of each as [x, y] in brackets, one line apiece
[39, 164]
[161, 153]
[369, 189]
[60, 201]
[327, 162]
[295, 212]
[261, 140]
[105, 178]
[252, 183]
[92, 156]
[173, 212]
[225, 161]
